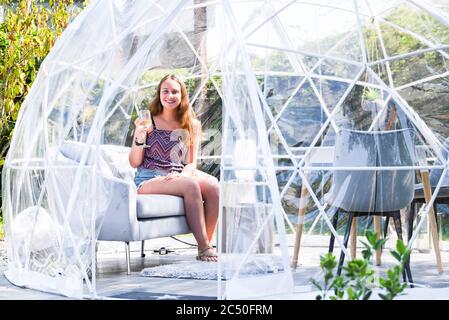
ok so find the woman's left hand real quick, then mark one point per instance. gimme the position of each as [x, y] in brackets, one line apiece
[172, 175]
[188, 173]
[189, 170]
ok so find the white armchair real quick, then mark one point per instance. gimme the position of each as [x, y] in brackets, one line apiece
[127, 215]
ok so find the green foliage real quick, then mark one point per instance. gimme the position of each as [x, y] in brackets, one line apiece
[28, 32]
[357, 281]
[327, 264]
[371, 94]
[2, 231]
[361, 279]
[392, 283]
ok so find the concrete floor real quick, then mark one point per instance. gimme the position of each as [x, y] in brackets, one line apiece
[114, 283]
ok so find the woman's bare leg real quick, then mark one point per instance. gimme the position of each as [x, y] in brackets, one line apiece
[210, 191]
[189, 189]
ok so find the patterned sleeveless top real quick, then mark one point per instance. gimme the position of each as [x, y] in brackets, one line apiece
[165, 150]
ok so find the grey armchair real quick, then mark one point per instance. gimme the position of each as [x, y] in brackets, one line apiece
[128, 216]
[372, 192]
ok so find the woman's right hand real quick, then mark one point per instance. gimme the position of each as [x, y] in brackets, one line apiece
[141, 131]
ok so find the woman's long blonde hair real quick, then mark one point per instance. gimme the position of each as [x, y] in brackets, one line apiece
[185, 113]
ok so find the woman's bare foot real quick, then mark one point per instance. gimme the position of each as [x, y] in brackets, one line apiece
[207, 254]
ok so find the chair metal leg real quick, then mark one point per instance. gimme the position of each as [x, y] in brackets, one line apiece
[142, 249]
[128, 262]
[436, 214]
[407, 272]
[398, 227]
[387, 221]
[345, 243]
[411, 218]
[334, 224]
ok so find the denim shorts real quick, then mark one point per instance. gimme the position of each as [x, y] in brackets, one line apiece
[143, 174]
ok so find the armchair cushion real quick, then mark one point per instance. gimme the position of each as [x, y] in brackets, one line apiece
[159, 206]
[74, 150]
[117, 159]
[113, 161]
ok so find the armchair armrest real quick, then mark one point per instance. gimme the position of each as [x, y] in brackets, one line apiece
[117, 215]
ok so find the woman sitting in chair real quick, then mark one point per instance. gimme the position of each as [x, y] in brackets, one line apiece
[164, 154]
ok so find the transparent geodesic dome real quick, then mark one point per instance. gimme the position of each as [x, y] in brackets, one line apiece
[307, 108]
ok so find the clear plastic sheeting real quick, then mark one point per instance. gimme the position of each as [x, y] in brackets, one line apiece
[313, 113]
[251, 211]
[72, 132]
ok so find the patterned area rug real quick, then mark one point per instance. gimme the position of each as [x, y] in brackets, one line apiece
[143, 295]
[208, 270]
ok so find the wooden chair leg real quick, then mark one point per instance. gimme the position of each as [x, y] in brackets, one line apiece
[433, 225]
[377, 229]
[354, 239]
[300, 225]
[345, 243]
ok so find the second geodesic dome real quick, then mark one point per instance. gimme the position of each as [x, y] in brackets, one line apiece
[275, 84]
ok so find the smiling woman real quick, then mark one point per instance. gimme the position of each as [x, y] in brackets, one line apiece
[286, 81]
[165, 157]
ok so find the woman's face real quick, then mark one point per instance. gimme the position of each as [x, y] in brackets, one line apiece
[170, 94]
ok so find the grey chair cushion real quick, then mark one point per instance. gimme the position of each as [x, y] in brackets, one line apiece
[419, 191]
[113, 160]
[117, 159]
[158, 206]
[165, 227]
[74, 150]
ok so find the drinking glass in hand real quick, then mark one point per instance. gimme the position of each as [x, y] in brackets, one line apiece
[143, 123]
[146, 117]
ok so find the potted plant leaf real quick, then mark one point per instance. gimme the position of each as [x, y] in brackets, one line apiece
[371, 99]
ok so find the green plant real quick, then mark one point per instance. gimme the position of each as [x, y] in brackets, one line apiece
[357, 281]
[392, 284]
[2, 232]
[29, 30]
[371, 94]
[327, 265]
[360, 279]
